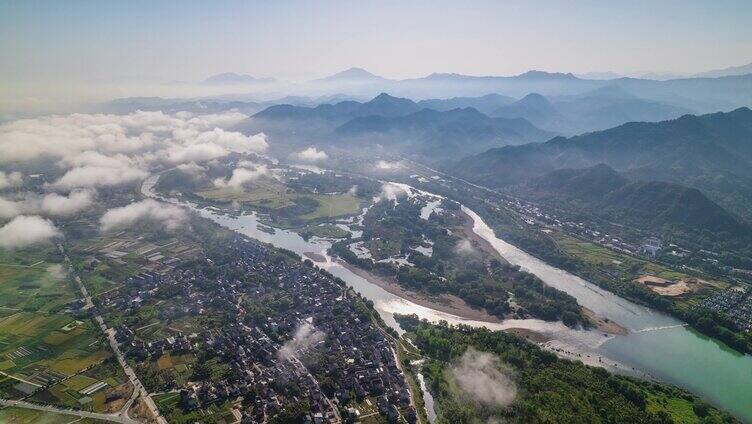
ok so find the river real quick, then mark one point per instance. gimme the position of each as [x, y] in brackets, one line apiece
[657, 346]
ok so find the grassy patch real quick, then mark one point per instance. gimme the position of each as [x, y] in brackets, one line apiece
[333, 205]
[41, 287]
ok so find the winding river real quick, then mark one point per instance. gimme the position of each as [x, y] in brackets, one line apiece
[657, 345]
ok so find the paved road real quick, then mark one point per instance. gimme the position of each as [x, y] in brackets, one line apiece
[123, 419]
[138, 388]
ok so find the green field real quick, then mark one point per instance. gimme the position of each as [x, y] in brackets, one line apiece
[266, 193]
[333, 205]
[13, 415]
[36, 347]
[606, 258]
[271, 195]
[68, 392]
[42, 287]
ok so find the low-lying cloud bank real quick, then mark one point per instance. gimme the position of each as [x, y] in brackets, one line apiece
[383, 165]
[108, 150]
[9, 180]
[484, 378]
[51, 204]
[23, 231]
[241, 176]
[311, 154]
[171, 217]
[390, 191]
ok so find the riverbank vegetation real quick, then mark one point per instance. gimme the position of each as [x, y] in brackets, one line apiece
[616, 278]
[537, 387]
[434, 254]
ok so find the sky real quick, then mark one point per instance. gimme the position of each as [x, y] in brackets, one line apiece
[45, 45]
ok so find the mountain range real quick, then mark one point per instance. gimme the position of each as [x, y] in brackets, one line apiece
[602, 192]
[599, 109]
[399, 124]
[718, 90]
[711, 152]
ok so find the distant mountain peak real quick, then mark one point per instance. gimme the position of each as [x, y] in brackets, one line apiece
[351, 74]
[545, 75]
[233, 78]
[727, 72]
[534, 98]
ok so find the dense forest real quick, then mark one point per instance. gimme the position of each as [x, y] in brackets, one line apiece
[547, 389]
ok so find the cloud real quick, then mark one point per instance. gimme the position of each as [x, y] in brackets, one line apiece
[383, 165]
[23, 231]
[50, 204]
[484, 378]
[98, 176]
[391, 191]
[9, 208]
[170, 216]
[240, 176]
[311, 154]
[140, 137]
[11, 179]
[306, 336]
[192, 169]
[55, 204]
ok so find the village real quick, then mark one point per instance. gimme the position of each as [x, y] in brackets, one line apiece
[321, 351]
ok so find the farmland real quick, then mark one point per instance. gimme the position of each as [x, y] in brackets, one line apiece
[32, 283]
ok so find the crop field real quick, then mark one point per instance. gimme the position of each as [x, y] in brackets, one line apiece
[333, 205]
[265, 193]
[33, 283]
[41, 348]
[604, 257]
[273, 195]
[13, 415]
[68, 394]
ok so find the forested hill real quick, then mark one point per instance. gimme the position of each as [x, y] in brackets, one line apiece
[601, 191]
[711, 152]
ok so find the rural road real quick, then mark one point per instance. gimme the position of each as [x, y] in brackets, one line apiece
[138, 388]
[124, 419]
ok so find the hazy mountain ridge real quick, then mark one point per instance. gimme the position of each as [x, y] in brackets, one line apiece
[600, 109]
[231, 78]
[400, 124]
[710, 152]
[601, 191]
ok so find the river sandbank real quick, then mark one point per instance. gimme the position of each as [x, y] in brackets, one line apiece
[446, 303]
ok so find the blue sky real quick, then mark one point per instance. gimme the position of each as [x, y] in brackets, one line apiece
[84, 40]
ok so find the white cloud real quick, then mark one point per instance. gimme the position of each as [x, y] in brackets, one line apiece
[170, 216]
[484, 378]
[11, 179]
[311, 154]
[240, 176]
[23, 231]
[98, 176]
[192, 169]
[391, 191]
[51, 204]
[9, 208]
[55, 204]
[195, 153]
[139, 136]
[383, 165]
